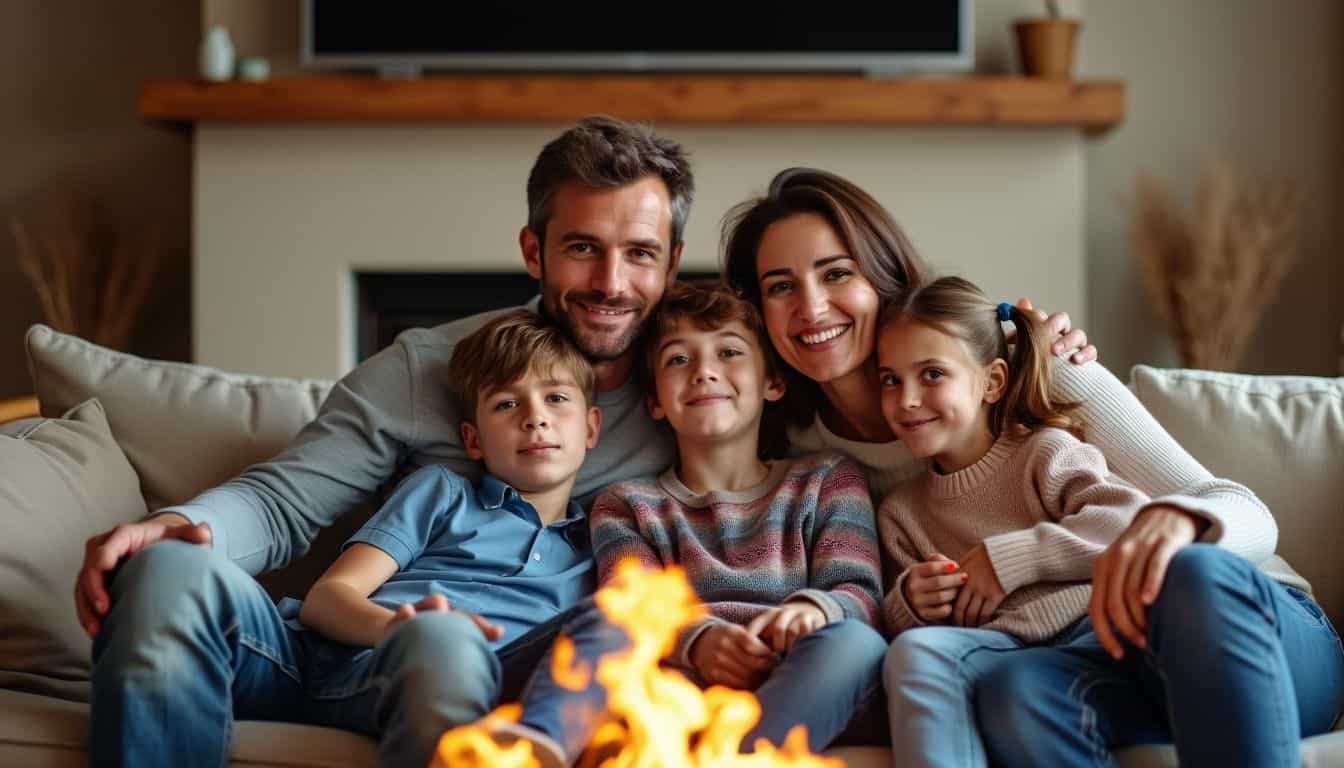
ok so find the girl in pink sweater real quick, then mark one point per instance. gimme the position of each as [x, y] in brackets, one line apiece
[996, 659]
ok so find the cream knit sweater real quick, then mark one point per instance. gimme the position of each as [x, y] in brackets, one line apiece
[1043, 505]
[1137, 449]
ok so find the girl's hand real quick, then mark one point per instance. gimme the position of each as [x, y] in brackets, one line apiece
[1069, 338]
[726, 654]
[430, 603]
[931, 587]
[781, 626]
[981, 594]
[1128, 576]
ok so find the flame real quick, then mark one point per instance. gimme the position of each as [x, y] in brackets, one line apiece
[567, 675]
[659, 719]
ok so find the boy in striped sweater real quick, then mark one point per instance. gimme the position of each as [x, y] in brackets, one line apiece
[783, 553]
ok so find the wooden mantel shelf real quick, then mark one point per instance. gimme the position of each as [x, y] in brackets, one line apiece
[1092, 105]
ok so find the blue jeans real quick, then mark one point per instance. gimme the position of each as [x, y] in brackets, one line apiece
[193, 642]
[1238, 669]
[829, 677]
[930, 674]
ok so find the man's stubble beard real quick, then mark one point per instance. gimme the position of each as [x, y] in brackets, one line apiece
[591, 348]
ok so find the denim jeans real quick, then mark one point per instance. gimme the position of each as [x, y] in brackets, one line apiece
[193, 642]
[1237, 670]
[930, 675]
[829, 677]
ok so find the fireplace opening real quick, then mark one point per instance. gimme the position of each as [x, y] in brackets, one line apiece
[390, 302]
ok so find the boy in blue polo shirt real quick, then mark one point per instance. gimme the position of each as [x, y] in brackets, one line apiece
[488, 573]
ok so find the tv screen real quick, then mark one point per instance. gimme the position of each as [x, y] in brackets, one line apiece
[872, 37]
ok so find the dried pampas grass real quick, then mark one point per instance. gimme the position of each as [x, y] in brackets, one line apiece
[1211, 278]
[92, 277]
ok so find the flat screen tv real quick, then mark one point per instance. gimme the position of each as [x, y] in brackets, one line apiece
[877, 37]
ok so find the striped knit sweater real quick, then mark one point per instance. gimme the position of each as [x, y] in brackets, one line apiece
[1044, 506]
[805, 532]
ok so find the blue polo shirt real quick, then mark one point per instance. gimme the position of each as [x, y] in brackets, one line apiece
[482, 547]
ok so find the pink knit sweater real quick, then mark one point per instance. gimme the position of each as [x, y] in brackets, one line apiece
[1044, 505]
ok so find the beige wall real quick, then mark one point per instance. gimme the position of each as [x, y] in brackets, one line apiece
[305, 205]
[68, 90]
[1262, 81]
[285, 214]
[1259, 78]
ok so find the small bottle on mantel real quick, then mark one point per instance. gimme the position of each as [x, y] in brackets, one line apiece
[217, 55]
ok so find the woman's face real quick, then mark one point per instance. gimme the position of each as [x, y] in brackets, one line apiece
[820, 310]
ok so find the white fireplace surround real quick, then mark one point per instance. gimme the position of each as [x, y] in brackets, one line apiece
[285, 215]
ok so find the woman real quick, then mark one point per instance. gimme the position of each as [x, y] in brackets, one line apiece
[818, 256]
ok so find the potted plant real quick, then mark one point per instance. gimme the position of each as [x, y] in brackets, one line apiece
[1045, 46]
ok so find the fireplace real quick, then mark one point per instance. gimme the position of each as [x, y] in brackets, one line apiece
[391, 302]
[388, 303]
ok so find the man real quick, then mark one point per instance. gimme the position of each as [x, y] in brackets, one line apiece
[186, 629]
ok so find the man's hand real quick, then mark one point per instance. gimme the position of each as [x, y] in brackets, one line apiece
[781, 626]
[726, 654]
[430, 603]
[931, 587]
[104, 552]
[981, 594]
[1069, 338]
[1128, 576]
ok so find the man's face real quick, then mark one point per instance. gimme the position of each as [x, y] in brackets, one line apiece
[605, 262]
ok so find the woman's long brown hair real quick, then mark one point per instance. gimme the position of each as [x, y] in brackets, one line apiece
[884, 254]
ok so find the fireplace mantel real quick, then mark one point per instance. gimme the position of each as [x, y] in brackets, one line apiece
[1091, 105]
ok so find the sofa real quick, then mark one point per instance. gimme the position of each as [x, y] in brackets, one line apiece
[120, 436]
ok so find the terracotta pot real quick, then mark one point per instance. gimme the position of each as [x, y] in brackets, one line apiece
[1045, 47]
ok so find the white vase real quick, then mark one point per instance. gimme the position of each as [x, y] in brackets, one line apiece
[217, 55]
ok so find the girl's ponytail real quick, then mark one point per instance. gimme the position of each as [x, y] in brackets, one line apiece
[1026, 402]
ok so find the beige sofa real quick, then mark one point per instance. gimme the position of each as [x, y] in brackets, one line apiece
[160, 432]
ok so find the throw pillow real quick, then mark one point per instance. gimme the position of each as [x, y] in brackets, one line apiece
[64, 480]
[1281, 436]
[185, 428]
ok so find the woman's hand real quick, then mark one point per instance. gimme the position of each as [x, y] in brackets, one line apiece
[781, 626]
[931, 587]
[1128, 576]
[430, 603]
[726, 654]
[1058, 324]
[981, 594]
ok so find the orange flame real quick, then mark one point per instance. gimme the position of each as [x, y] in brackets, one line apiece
[657, 714]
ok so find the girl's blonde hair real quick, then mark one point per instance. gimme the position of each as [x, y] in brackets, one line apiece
[955, 306]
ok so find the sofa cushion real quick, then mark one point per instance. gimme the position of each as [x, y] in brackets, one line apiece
[185, 428]
[64, 480]
[39, 732]
[1281, 436]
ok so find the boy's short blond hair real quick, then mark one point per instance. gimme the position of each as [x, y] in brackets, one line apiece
[507, 348]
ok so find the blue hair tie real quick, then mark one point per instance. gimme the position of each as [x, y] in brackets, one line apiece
[1005, 312]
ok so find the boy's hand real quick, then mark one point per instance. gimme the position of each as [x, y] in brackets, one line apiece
[781, 626]
[981, 593]
[932, 586]
[726, 654]
[430, 603]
